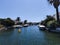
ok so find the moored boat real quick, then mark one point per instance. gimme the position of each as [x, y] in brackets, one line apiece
[57, 30]
[17, 26]
[42, 27]
[25, 25]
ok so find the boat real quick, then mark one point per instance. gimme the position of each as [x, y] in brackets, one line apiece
[42, 27]
[17, 26]
[57, 30]
[25, 25]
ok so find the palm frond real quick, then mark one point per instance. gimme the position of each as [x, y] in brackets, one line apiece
[50, 1]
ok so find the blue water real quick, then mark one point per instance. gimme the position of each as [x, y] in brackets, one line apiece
[29, 36]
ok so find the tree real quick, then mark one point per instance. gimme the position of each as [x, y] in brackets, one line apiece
[56, 4]
[18, 19]
[25, 21]
[7, 22]
[48, 18]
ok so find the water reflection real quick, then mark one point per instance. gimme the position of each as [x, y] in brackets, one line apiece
[7, 32]
[52, 38]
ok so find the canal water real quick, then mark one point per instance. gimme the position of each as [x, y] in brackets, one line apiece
[30, 35]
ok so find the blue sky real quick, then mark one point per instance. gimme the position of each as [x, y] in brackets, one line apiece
[31, 10]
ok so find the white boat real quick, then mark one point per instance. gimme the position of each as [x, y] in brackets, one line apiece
[42, 27]
[17, 26]
[58, 28]
[25, 25]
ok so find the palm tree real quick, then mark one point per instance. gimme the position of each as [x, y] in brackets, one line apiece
[25, 21]
[18, 19]
[56, 4]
